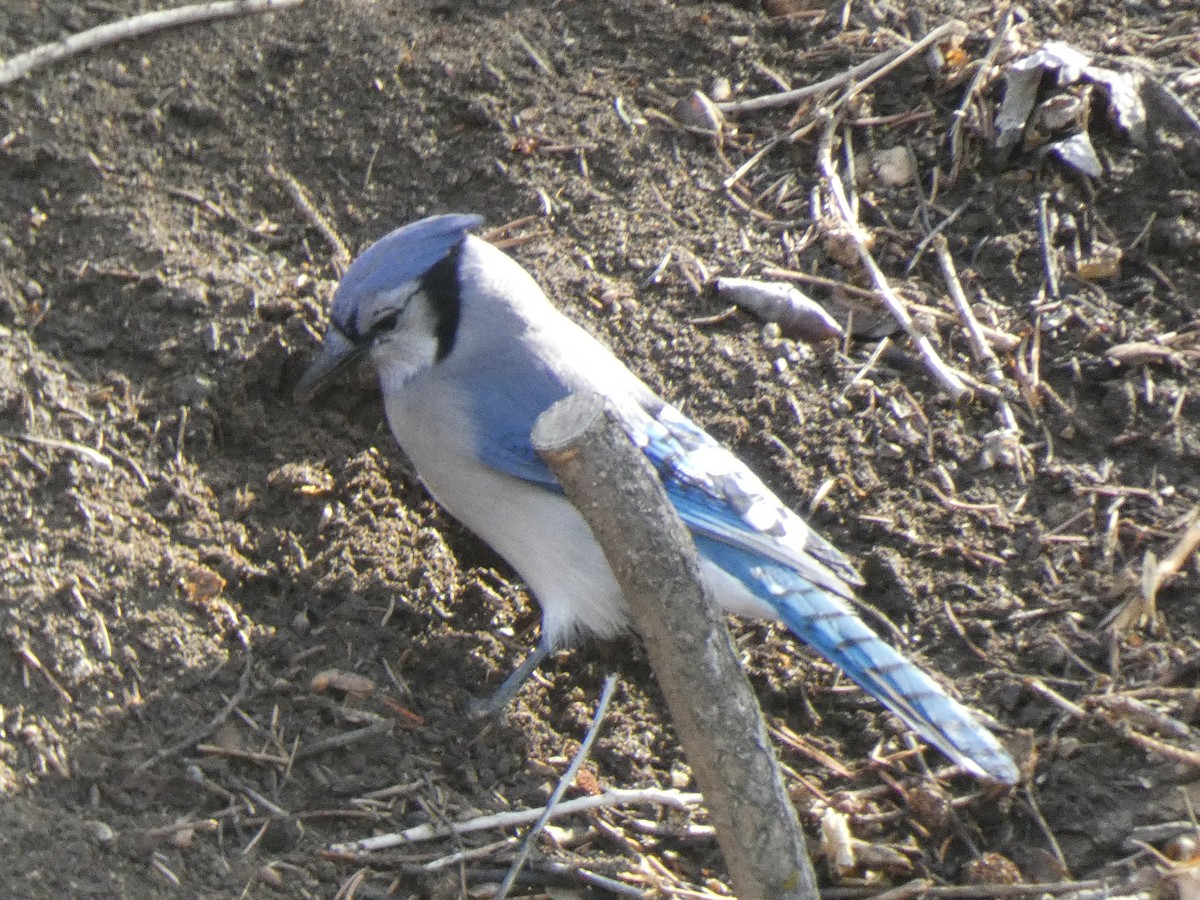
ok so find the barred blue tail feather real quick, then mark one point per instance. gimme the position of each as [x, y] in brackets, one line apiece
[829, 626]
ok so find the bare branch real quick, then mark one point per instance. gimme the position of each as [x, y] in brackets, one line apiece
[950, 379]
[871, 70]
[103, 35]
[429, 831]
[982, 349]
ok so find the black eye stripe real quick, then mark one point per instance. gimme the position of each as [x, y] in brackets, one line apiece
[440, 289]
[441, 286]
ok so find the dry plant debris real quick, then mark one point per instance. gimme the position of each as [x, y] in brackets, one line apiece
[236, 640]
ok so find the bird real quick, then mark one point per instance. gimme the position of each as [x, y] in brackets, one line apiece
[469, 351]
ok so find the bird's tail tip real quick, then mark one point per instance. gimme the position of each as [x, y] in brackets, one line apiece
[832, 628]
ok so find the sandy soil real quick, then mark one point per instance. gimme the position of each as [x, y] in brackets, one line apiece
[185, 550]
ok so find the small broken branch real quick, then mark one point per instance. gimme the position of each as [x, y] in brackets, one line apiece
[979, 343]
[137, 26]
[1140, 607]
[565, 782]
[874, 68]
[981, 75]
[304, 202]
[1002, 341]
[1183, 756]
[945, 30]
[429, 831]
[950, 380]
[95, 457]
[30, 659]
[1178, 555]
[1143, 714]
[1049, 261]
[266, 759]
[1108, 886]
[345, 739]
[216, 721]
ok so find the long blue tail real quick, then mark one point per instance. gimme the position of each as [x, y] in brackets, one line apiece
[831, 627]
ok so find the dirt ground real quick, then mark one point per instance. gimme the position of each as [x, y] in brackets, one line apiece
[195, 569]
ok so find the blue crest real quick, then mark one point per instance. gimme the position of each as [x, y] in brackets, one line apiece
[402, 255]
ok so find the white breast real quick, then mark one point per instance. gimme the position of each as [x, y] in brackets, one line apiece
[537, 532]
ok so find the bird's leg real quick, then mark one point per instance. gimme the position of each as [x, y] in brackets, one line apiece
[499, 701]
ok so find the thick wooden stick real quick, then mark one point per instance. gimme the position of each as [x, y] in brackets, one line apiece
[715, 711]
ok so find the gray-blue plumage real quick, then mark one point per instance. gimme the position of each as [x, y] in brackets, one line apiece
[470, 351]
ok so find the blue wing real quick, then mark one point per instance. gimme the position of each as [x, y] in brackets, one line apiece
[719, 497]
[742, 527]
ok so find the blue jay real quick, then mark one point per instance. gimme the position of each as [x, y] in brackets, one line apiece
[469, 351]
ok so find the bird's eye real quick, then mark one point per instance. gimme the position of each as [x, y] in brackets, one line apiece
[387, 323]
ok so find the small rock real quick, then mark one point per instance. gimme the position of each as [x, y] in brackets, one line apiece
[281, 834]
[696, 110]
[894, 167]
[101, 832]
[992, 868]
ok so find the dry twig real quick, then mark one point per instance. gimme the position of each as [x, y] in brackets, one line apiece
[213, 724]
[950, 379]
[981, 75]
[30, 659]
[300, 196]
[95, 457]
[870, 71]
[1122, 706]
[575, 873]
[1049, 260]
[103, 35]
[267, 759]
[979, 343]
[650, 796]
[1002, 341]
[983, 891]
[538, 59]
[1183, 756]
[945, 30]
[565, 782]
[1140, 608]
[1177, 557]
[346, 738]
[466, 855]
